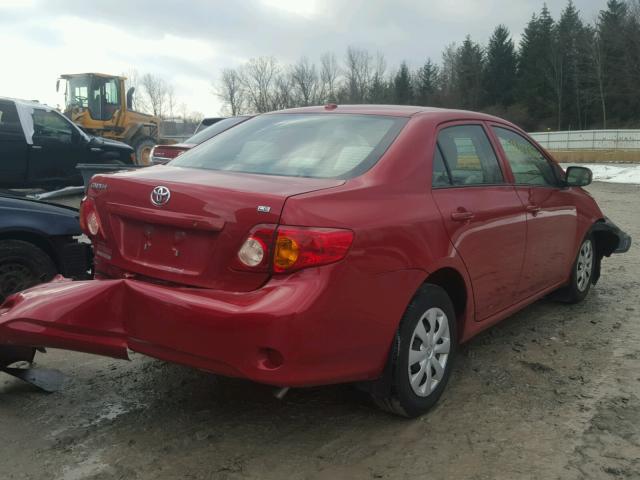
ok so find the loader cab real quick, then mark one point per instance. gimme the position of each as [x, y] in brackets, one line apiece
[99, 96]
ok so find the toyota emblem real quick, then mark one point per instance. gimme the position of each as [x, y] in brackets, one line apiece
[160, 196]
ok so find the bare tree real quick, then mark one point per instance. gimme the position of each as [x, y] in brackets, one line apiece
[184, 112]
[133, 80]
[304, 77]
[231, 91]
[171, 100]
[358, 73]
[283, 92]
[329, 71]
[155, 89]
[259, 78]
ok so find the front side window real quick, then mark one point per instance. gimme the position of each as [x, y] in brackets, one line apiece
[51, 126]
[469, 156]
[528, 165]
[298, 145]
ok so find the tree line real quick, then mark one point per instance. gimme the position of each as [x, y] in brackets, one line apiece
[156, 96]
[564, 74]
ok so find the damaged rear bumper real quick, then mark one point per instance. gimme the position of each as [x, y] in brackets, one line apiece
[265, 335]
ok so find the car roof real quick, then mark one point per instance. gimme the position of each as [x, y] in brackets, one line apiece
[441, 114]
[26, 103]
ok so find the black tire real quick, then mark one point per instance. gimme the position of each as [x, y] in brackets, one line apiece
[578, 290]
[401, 398]
[23, 265]
[143, 147]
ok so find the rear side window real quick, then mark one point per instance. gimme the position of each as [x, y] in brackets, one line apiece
[528, 165]
[298, 145]
[9, 120]
[469, 156]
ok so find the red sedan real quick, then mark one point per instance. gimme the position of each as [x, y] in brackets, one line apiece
[161, 154]
[324, 245]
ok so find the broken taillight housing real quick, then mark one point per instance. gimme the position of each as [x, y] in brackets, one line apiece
[286, 249]
[89, 218]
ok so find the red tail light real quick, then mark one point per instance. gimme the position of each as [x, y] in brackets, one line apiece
[89, 218]
[287, 249]
[166, 153]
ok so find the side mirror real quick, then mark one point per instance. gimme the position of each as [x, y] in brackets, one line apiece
[578, 176]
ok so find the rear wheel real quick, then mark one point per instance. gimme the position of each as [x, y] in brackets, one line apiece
[143, 148]
[581, 273]
[23, 265]
[421, 358]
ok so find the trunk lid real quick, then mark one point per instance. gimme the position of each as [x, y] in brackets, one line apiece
[194, 237]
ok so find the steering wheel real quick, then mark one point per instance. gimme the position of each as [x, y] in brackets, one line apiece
[81, 101]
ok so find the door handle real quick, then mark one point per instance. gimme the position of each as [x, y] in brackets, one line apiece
[533, 209]
[36, 147]
[462, 216]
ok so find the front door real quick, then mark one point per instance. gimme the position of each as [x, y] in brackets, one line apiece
[482, 213]
[551, 214]
[55, 151]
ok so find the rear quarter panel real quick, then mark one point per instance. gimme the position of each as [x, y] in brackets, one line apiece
[399, 239]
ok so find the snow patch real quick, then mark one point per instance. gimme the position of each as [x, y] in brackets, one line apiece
[613, 173]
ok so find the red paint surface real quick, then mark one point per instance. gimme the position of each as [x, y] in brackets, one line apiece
[167, 286]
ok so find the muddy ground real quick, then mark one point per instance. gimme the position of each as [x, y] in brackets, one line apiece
[553, 392]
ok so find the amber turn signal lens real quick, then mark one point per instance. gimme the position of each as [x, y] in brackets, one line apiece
[287, 252]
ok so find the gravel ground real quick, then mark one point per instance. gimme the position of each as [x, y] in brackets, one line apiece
[553, 392]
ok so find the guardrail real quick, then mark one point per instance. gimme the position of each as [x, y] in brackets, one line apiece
[589, 140]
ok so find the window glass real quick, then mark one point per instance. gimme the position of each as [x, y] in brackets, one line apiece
[79, 96]
[215, 129]
[528, 165]
[298, 145]
[468, 153]
[111, 92]
[440, 176]
[50, 125]
[9, 120]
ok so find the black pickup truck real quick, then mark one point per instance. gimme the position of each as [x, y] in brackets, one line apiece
[40, 147]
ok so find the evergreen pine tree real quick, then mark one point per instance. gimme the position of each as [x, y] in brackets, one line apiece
[500, 71]
[403, 93]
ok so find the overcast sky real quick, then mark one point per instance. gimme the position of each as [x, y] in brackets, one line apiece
[189, 41]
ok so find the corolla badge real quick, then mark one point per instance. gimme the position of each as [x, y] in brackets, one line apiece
[160, 196]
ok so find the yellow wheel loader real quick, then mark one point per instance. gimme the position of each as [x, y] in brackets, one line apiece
[99, 104]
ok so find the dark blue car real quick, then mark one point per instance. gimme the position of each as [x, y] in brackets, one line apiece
[38, 240]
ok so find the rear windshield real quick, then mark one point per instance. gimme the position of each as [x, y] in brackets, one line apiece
[215, 129]
[298, 145]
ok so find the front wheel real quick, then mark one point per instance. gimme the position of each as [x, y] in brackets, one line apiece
[581, 273]
[422, 355]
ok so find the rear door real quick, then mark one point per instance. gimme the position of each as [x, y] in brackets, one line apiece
[551, 212]
[482, 214]
[13, 147]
